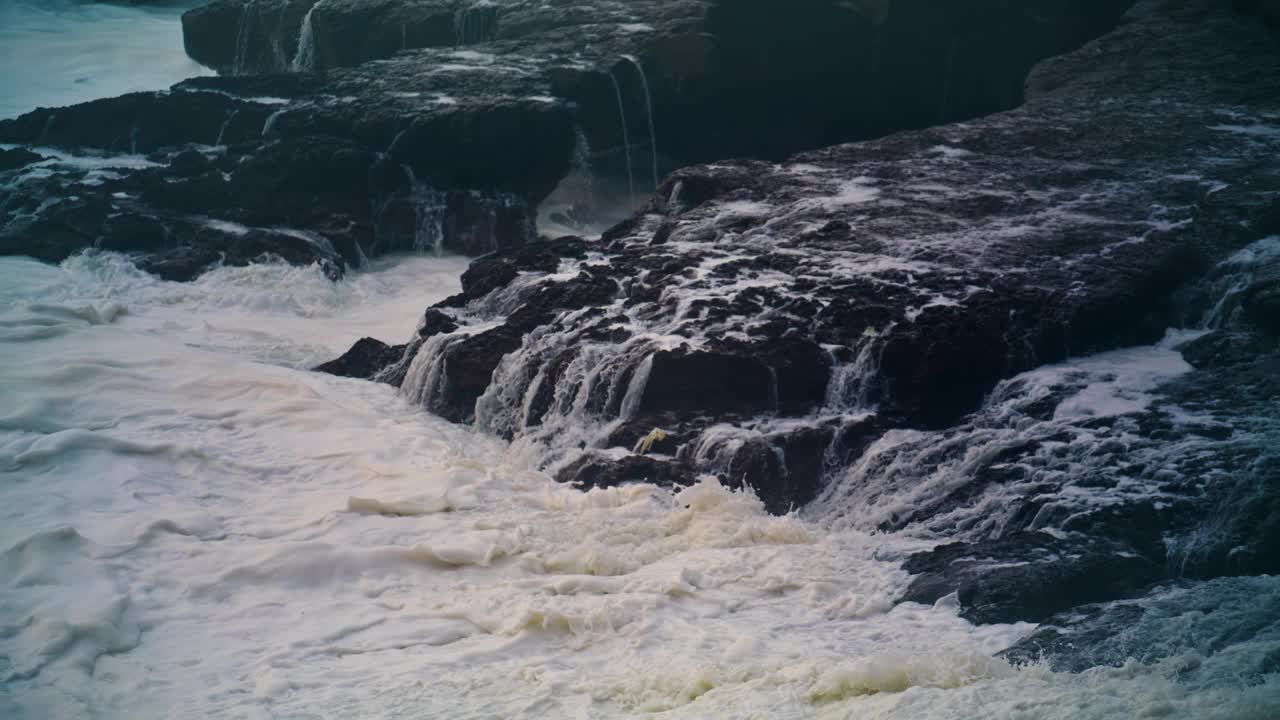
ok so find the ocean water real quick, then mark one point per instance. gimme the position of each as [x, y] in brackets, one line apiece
[193, 525]
[61, 52]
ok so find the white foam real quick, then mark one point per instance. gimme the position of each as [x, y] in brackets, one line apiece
[189, 531]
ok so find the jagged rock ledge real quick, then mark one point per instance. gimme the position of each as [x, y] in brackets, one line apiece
[350, 128]
[774, 323]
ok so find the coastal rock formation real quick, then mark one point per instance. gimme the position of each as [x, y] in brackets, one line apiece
[376, 126]
[844, 321]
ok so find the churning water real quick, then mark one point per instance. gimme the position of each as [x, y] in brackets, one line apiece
[61, 52]
[194, 525]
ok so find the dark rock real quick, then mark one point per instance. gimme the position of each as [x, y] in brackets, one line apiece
[1236, 613]
[236, 37]
[1262, 299]
[435, 322]
[595, 470]
[488, 274]
[892, 284]
[1029, 576]
[137, 122]
[17, 158]
[181, 264]
[470, 362]
[43, 239]
[707, 382]
[484, 142]
[490, 148]
[190, 163]
[134, 232]
[363, 360]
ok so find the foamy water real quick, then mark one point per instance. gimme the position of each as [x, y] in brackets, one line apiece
[192, 525]
[61, 52]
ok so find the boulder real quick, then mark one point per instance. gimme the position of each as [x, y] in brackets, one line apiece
[363, 360]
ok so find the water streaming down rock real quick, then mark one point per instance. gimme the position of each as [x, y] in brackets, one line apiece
[305, 59]
[1111, 421]
[222, 131]
[626, 136]
[852, 385]
[269, 124]
[1138, 451]
[648, 106]
[429, 206]
[1234, 278]
[475, 22]
[582, 171]
[244, 31]
[44, 130]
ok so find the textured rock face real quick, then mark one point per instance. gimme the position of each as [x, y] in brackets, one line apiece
[241, 37]
[723, 79]
[846, 321]
[442, 125]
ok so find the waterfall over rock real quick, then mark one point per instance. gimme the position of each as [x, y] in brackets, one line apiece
[937, 377]
[648, 108]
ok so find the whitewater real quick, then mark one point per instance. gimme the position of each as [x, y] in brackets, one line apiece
[194, 525]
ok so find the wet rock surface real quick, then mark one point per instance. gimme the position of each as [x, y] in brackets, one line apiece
[363, 360]
[879, 333]
[1091, 480]
[1191, 624]
[836, 325]
[385, 126]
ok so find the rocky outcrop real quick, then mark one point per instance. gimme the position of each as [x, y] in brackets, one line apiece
[18, 158]
[241, 37]
[363, 360]
[904, 277]
[1187, 622]
[723, 78]
[838, 324]
[442, 125]
[1094, 479]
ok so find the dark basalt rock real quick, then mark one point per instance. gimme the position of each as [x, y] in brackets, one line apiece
[592, 470]
[1196, 620]
[18, 158]
[488, 274]
[1055, 507]
[499, 268]
[705, 382]
[237, 37]
[1029, 576]
[438, 147]
[363, 360]
[202, 247]
[434, 323]
[892, 284]
[1262, 299]
[709, 64]
[139, 122]
[470, 362]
